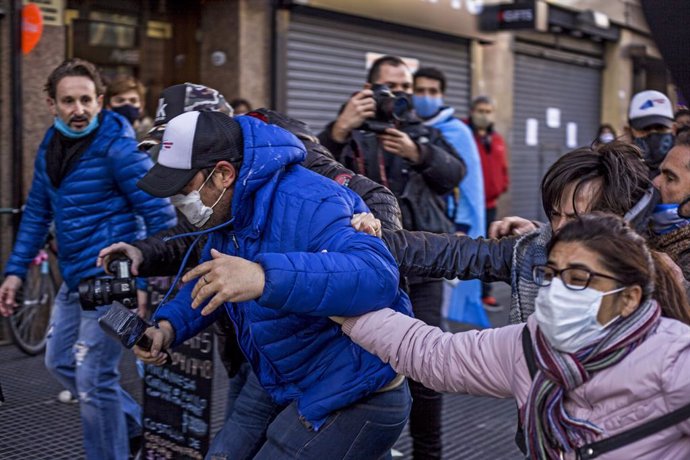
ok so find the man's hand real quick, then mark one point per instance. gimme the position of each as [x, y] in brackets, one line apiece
[142, 303]
[399, 143]
[511, 226]
[360, 107]
[367, 223]
[161, 338]
[227, 279]
[8, 294]
[134, 254]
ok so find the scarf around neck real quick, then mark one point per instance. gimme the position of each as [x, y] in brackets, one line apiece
[549, 427]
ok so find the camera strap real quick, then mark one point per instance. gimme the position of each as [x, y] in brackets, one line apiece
[369, 158]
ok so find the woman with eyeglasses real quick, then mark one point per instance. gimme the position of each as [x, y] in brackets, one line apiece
[594, 361]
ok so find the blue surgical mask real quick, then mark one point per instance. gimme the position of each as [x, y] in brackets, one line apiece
[66, 131]
[665, 219]
[427, 106]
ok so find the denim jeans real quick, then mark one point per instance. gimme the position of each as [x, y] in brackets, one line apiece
[85, 361]
[262, 430]
[235, 387]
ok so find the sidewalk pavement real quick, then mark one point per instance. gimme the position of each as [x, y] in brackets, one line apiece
[35, 426]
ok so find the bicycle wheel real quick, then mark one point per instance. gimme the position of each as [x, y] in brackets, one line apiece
[30, 321]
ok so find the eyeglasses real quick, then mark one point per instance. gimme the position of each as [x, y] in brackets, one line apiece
[575, 279]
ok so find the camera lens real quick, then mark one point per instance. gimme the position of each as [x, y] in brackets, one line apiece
[400, 107]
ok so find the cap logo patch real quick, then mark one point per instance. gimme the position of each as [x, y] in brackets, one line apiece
[160, 112]
[649, 103]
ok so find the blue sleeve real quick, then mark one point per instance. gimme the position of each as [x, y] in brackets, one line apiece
[33, 230]
[470, 212]
[185, 320]
[345, 273]
[129, 164]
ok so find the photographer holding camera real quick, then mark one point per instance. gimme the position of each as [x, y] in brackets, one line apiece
[377, 134]
[85, 180]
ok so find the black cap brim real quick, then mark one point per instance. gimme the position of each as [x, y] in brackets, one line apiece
[643, 122]
[164, 182]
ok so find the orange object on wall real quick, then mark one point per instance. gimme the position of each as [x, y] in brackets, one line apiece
[32, 27]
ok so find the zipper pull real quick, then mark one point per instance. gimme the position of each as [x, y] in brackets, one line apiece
[234, 240]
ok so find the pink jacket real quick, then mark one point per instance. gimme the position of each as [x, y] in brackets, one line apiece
[651, 381]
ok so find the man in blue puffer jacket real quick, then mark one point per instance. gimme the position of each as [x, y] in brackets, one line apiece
[281, 257]
[85, 181]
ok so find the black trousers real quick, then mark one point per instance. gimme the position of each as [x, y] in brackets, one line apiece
[425, 417]
[490, 217]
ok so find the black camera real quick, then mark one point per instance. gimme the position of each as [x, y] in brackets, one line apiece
[94, 292]
[389, 108]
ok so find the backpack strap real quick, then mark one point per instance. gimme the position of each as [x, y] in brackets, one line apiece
[598, 448]
[528, 350]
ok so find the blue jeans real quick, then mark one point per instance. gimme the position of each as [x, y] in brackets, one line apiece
[84, 360]
[259, 429]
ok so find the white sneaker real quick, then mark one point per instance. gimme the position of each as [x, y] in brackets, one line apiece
[66, 396]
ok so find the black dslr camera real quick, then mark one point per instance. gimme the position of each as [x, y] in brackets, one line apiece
[94, 292]
[389, 108]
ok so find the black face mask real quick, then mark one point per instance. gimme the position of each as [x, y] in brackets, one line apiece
[128, 111]
[655, 146]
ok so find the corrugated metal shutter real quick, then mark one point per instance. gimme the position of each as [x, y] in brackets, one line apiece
[326, 63]
[541, 84]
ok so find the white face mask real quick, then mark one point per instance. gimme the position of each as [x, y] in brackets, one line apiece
[605, 138]
[568, 318]
[196, 212]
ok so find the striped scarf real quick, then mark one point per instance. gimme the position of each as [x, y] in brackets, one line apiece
[549, 427]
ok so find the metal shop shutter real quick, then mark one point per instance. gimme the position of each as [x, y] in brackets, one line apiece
[540, 85]
[326, 64]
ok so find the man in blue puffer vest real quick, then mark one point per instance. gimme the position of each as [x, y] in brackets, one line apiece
[85, 181]
[281, 257]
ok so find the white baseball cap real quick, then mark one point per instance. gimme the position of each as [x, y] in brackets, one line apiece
[192, 141]
[650, 108]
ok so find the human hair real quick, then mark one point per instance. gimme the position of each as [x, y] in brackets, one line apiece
[375, 69]
[481, 100]
[683, 136]
[624, 253]
[681, 113]
[618, 167]
[74, 67]
[431, 73]
[606, 126]
[123, 83]
[238, 101]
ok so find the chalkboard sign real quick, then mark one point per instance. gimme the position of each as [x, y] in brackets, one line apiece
[177, 398]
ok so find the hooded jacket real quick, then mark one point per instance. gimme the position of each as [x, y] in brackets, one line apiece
[95, 205]
[296, 225]
[468, 211]
[651, 381]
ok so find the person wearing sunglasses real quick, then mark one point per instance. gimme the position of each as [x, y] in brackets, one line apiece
[596, 359]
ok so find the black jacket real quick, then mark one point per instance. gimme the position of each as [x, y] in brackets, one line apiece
[439, 163]
[432, 255]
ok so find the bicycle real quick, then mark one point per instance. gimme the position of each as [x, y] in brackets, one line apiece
[30, 322]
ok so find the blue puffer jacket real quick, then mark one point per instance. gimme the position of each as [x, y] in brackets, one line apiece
[95, 205]
[296, 224]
